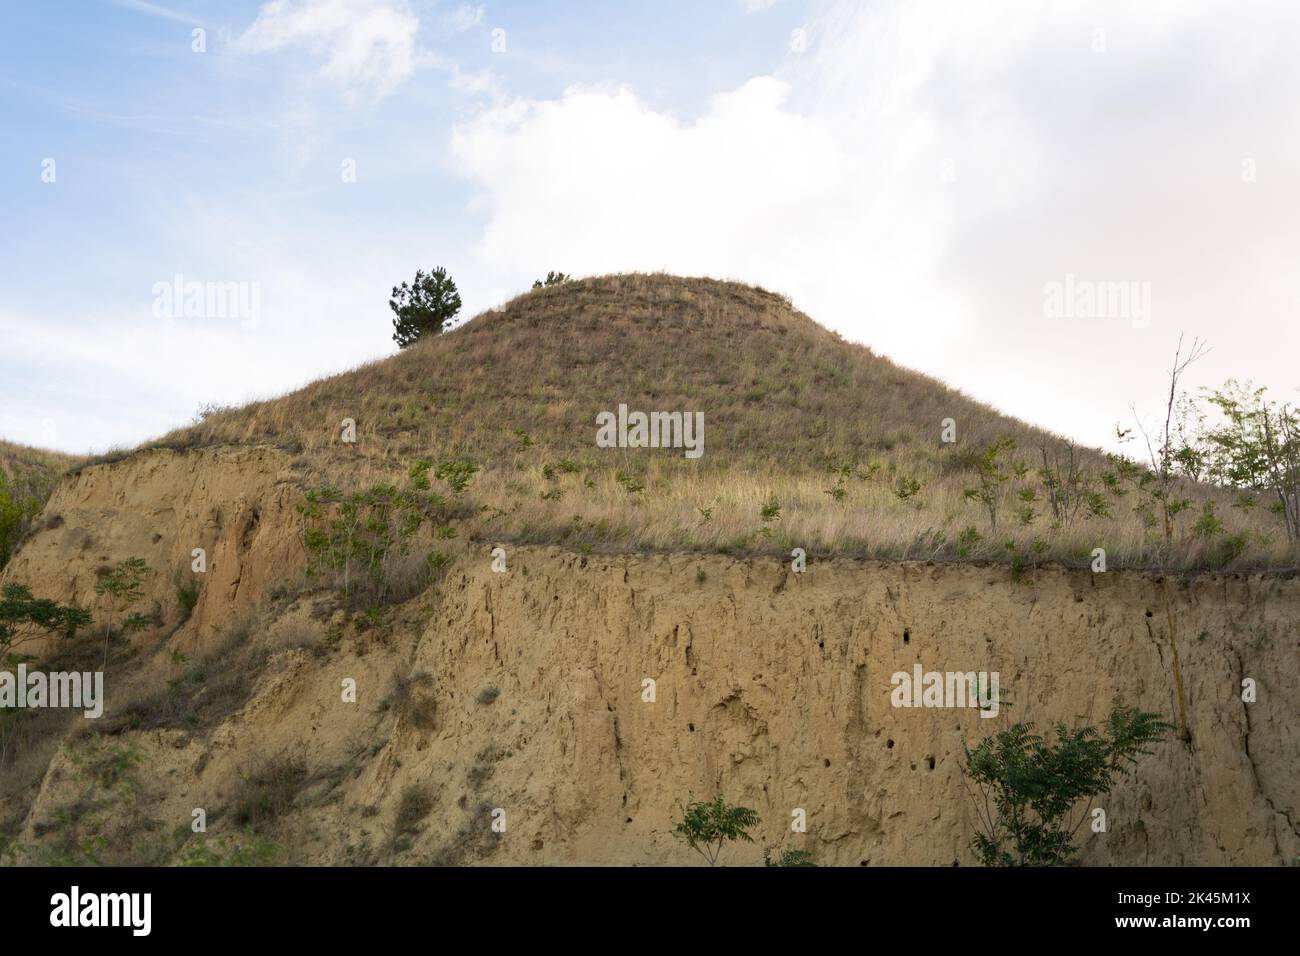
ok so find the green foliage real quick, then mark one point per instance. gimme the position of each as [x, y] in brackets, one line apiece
[1256, 447]
[123, 586]
[1026, 787]
[24, 618]
[457, 472]
[906, 488]
[367, 530]
[770, 509]
[1208, 525]
[104, 788]
[12, 515]
[989, 467]
[552, 278]
[187, 594]
[269, 793]
[1096, 504]
[787, 858]
[24, 490]
[707, 827]
[251, 850]
[426, 307]
[631, 484]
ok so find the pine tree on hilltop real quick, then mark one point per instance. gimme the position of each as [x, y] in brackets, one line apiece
[426, 307]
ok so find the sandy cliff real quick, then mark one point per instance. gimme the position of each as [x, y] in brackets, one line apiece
[523, 692]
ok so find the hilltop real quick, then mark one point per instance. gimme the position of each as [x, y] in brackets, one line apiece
[809, 441]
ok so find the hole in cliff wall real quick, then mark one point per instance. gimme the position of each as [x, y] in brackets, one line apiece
[1148, 613]
[889, 743]
[691, 728]
[907, 637]
[930, 761]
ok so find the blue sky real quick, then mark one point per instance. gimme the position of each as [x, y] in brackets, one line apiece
[912, 174]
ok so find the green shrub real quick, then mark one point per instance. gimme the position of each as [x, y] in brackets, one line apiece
[707, 827]
[1025, 787]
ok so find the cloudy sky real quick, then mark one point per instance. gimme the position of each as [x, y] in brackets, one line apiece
[920, 176]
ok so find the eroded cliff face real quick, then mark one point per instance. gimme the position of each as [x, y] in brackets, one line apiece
[773, 688]
[522, 694]
[235, 504]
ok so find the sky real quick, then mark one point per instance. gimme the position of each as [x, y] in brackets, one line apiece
[1031, 201]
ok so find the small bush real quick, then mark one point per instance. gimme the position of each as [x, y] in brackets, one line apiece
[269, 793]
[707, 827]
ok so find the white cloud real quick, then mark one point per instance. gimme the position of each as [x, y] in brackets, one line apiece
[466, 17]
[754, 6]
[367, 45]
[917, 176]
[155, 10]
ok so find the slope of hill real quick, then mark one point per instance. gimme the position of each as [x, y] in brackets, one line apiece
[370, 679]
[27, 478]
[808, 441]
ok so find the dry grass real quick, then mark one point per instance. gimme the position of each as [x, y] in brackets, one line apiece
[788, 406]
[15, 458]
[27, 479]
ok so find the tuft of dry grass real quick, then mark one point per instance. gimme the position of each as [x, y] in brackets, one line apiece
[830, 432]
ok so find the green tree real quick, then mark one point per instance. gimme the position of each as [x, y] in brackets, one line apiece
[1024, 788]
[1256, 447]
[123, 586]
[707, 827]
[1171, 457]
[426, 307]
[24, 618]
[988, 468]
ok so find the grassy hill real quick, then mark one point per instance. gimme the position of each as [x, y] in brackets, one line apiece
[809, 441]
[27, 477]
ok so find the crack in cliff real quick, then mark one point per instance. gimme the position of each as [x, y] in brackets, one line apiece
[1254, 769]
